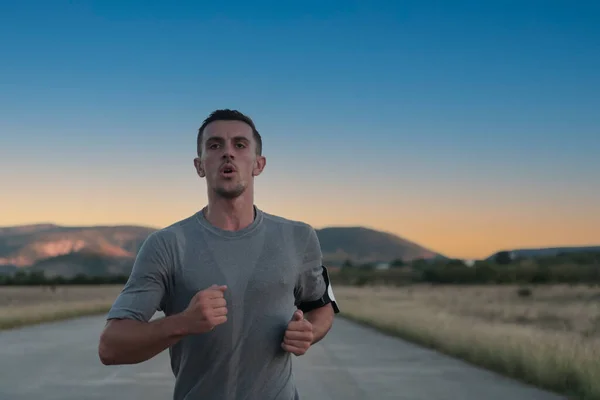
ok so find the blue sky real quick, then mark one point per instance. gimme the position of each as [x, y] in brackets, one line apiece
[472, 108]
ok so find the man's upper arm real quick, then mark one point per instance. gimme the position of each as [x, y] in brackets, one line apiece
[314, 289]
[147, 288]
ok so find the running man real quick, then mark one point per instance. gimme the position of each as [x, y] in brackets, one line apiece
[242, 290]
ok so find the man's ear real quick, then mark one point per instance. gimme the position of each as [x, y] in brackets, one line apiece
[199, 168]
[259, 165]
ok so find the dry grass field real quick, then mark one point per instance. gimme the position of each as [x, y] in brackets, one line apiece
[25, 305]
[550, 338]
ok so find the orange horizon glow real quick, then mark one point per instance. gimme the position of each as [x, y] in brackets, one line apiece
[467, 231]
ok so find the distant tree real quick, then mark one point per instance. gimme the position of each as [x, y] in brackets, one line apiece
[397, 263]
[541, 275]
[347, 264]
[583, 258]
[485, 273]
[503, 258]
[37, 278]
[79, 279]
[419, 263]
[455, 262]
[367, 266]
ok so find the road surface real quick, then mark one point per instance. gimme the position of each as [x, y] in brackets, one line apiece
[59, 361]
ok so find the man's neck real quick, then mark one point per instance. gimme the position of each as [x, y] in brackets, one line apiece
[230, 215]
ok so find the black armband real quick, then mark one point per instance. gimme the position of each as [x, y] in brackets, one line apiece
[328, 297]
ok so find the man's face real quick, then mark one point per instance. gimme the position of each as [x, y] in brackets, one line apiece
[228, 160]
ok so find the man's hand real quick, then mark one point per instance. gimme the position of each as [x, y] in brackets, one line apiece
[207, 309]
[298, 335]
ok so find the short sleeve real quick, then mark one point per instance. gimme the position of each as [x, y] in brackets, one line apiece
[313, 289]
[146, 289]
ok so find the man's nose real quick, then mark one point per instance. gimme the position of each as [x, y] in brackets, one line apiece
[227, 152]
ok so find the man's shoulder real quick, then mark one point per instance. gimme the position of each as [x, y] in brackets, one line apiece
[299, 232]
[283, 221]
[172, 233]
[180, 225]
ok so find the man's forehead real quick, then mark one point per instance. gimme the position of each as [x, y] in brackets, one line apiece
[228, 129]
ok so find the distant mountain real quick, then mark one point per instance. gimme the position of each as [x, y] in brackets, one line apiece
[83, 262]
[23, 229]
[23, 246]
[547, 251]
[101, 250]
[364, 245]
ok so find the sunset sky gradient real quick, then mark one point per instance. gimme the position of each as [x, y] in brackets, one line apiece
[466, 128]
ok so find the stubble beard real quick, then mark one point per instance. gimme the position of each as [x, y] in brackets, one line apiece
[230, 193]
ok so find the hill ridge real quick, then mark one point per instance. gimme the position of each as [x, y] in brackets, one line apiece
[37, 245]
[545, 251]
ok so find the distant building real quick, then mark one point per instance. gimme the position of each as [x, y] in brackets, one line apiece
[382, 265]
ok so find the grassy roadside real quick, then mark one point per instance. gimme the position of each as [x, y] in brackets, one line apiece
[558, 360]
[22, 306]
[25, 316]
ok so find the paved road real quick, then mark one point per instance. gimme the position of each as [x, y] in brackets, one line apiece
[59, 361]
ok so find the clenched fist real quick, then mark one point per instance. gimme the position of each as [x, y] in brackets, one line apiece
[298, 336]
[207, 309]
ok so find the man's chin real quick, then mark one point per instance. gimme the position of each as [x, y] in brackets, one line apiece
[230, 193]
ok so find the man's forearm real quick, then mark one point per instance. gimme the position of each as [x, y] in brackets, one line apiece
[131, 342]
[321, 319]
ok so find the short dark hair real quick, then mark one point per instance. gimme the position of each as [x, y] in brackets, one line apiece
[228, 115]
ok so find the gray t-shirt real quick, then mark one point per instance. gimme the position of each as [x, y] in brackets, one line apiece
[270, 267]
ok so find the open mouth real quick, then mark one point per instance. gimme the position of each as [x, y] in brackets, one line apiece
[228, 170]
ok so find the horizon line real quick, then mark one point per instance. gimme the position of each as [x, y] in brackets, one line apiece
[132, 225]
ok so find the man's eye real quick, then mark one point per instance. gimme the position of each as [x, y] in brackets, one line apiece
[213, 146]
[241, 145]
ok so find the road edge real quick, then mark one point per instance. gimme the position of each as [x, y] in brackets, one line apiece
[440, 348]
